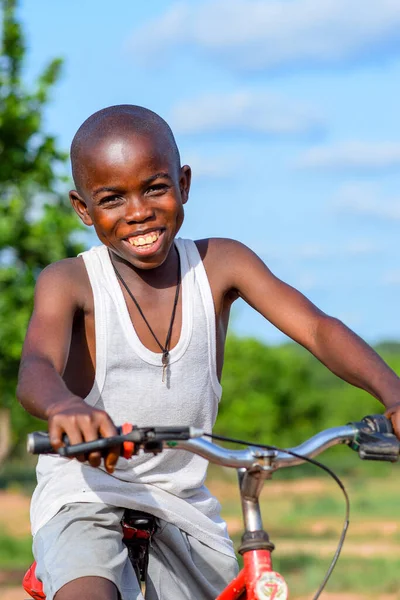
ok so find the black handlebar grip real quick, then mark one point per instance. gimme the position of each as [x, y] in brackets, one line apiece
[375, 440]
[378, 423]
[38, 442]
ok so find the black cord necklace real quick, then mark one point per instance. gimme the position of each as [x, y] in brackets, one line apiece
[165, 348]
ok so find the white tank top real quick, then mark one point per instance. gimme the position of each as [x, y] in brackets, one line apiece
[128, 385]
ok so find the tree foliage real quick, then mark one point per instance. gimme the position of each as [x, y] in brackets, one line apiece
[282, 394]
[36, 222]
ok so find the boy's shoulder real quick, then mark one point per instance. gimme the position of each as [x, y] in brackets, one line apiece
[212, 247]
[67, 276]
[64, 269]
[224, 254]
[227, 263]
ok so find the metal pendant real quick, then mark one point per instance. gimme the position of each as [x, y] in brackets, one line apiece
[164, 360]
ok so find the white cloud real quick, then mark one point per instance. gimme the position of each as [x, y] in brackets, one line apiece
[243, 111]
[391, 278]
[265, 34]
[317, 251]
[341, 250]
[352, 155]
[360, 248]
[366, 199]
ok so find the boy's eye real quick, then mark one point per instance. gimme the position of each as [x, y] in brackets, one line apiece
[158, 188]
[110, 200]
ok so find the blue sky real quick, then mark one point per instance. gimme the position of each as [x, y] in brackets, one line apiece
[286, 111]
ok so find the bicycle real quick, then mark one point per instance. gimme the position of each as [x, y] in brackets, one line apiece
[372, 438]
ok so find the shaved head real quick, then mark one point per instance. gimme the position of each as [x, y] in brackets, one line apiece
[124, 121]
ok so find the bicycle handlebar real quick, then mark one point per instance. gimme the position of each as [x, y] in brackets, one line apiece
[372, 437]
[38, 442]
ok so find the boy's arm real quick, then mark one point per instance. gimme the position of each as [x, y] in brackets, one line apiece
[41, 388]
[334, 344]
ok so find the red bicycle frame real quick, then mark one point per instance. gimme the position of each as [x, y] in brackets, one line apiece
[256, 580]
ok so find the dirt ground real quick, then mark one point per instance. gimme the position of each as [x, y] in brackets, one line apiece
[10, 588]
[13, 593]
[14, 514]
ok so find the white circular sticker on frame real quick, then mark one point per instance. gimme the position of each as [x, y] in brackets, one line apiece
[271, 586]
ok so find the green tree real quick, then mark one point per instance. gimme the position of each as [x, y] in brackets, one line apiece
[266, 393]
[282, 394]
[36, 222]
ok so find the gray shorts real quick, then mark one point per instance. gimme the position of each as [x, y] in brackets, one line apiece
[85, 539]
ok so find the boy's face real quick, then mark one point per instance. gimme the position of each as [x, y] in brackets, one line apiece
[132, 191]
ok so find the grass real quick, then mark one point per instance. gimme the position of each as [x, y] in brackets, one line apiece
[305, 572]
[15, 552]
[18, 476]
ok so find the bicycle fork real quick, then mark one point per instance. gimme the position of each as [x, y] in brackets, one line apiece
[257, 580]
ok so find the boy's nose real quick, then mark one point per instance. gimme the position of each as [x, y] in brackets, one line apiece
[138, 210]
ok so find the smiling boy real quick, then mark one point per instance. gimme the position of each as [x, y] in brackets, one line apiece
[134, 331]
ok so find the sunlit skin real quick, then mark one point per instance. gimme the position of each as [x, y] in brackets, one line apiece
[131, 189]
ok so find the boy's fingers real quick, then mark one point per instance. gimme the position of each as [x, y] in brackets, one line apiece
[90, 433]
[85, 427]
[94, 459]
[55, 435]
[111, 459]
[106, 426]
[393, 414]
[71, 429]
[90, 429]
[75, 437]
[396, 424]
[108, 429]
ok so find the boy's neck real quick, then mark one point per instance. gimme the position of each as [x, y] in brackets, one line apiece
[160, 277]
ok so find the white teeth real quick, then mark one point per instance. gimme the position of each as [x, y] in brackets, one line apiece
[141, 240]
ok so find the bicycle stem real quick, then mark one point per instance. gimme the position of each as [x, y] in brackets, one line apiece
[251, 482]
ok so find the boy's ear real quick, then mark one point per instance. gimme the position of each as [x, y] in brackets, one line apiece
[80, 207]
[184, 182]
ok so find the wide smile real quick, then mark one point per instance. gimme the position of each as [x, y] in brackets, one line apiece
[145, 243]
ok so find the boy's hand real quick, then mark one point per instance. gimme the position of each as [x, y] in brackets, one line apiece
[82, 423]
[393, 413]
